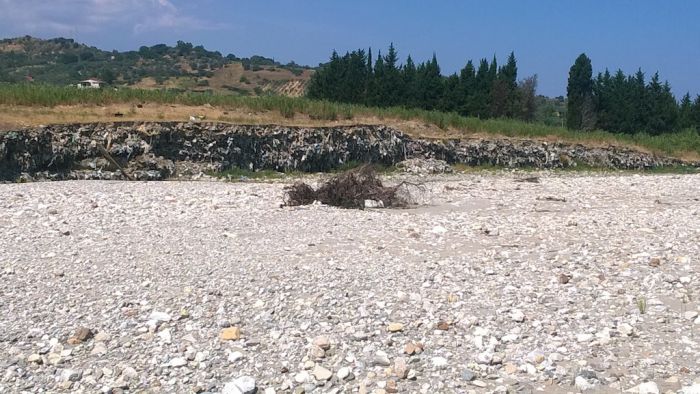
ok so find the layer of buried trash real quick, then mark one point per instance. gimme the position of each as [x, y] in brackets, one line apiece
[357, 188]
[172, 150]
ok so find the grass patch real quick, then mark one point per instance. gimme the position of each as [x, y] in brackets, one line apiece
[681, 144]
[240, 174]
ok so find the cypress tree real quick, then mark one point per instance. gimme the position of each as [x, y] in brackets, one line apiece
[410, 98]
[580, 94]
[482, 91]
[695, 113]
[685, 113]
[451, 97]
[467, 87]
[392, 84]
[432, 85]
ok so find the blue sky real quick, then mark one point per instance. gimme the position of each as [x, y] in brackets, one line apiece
[546, 35]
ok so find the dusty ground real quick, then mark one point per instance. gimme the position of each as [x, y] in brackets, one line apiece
[574, 283]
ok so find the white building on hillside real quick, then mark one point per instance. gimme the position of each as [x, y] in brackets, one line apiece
[90, 84]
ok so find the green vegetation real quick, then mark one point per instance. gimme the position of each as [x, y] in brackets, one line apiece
[460, 126]
[626, 103]
[63, 61]
[240, 174]
[487, 92]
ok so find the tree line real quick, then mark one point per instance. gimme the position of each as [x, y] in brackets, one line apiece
[484, 91]
[626, 103]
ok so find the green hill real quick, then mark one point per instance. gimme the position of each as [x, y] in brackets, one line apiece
[64, 61]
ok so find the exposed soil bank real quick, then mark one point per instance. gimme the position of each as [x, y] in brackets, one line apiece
[163, 150]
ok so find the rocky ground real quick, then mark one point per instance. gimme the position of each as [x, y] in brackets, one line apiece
[572, 283]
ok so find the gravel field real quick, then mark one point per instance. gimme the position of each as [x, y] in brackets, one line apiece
[575, 283]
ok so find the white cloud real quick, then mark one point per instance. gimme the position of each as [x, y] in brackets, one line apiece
[67, 17]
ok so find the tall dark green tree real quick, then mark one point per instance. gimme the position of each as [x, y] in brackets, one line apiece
[467, 86]
[452, 97]
[685, 113]
[410, 81]
[482, 91]
[431, 84]
[391, 84]
[662, 107]
[580, 95]
[695, 113]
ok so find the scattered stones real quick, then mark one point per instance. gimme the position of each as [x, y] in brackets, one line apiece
[655, 262]
[315, 305]
[412, 348]
[564, 278]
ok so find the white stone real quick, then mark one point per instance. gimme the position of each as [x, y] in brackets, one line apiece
[177, 362]
[70, 375]
[584, 337]
[165, 336]
[235, 356]
[625, 329]
[159, 316]
[439, 362]
[302, 377]
[517, 316]
[694, 389]
[343, 373]
[645, 388]
[321, 373]
[242, 385]
[583, 384]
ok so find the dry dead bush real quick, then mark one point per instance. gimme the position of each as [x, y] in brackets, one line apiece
[350, 190]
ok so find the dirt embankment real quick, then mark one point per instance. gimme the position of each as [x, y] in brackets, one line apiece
[161, 150]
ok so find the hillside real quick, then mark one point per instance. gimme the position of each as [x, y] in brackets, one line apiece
[185, 67]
